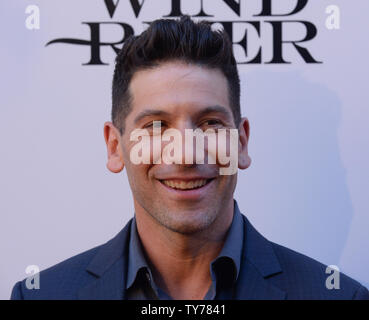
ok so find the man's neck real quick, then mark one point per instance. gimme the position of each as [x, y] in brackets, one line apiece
[181, 262]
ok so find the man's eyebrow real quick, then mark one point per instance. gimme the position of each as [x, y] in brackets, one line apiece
[148, 113]
[216, 109]
[210, 109]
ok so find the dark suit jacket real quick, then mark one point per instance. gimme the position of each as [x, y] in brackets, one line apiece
[268, 271]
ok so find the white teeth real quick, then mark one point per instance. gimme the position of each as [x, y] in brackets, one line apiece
[185, 185]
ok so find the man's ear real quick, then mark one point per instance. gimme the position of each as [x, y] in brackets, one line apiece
[244, 159]
[113, 144]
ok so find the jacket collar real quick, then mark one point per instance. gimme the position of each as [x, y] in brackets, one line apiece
[259, 262]
[109, 266]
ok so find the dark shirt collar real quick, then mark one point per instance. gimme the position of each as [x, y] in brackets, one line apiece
[232, 248]
[136, 258]
[229, 257]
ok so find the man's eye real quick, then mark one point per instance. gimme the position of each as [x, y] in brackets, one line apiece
[154, 124]
[212, 122]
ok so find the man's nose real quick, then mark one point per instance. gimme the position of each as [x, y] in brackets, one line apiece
[188, 155]
[198, 147]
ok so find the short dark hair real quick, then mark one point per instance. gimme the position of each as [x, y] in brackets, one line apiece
[167, 40]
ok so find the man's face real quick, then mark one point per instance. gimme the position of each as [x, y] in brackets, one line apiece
[184, 198]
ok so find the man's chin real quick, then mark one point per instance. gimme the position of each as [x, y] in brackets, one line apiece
[187, 222]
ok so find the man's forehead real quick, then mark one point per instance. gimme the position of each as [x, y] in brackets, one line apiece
[178, 84]
[170, 75]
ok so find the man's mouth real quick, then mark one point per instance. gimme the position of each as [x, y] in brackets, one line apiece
[186, 185]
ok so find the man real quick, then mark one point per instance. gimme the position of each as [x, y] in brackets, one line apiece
[188, 238]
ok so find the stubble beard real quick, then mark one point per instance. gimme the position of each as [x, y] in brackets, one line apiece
[183, 221]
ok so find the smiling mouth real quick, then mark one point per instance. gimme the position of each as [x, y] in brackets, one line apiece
[186, 185]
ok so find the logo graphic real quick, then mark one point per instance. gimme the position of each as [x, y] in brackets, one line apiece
[258, 27]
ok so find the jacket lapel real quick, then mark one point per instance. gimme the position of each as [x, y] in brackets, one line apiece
[253, 286]
[109, 267]
[259, 263]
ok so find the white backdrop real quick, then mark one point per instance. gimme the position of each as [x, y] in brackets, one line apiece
[307, 187]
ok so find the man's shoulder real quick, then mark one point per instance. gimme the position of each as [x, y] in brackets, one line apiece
[60, 281]
[303, 277]
[65, 279]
